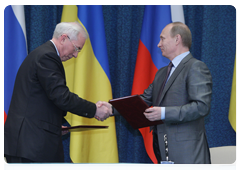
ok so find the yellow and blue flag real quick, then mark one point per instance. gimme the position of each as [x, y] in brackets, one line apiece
[88, 76]
[232, 107]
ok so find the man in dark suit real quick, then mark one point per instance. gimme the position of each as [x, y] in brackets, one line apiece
[183, 102]
[40, 100]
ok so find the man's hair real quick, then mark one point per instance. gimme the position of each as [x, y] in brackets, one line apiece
[72, 29]
[183, 31]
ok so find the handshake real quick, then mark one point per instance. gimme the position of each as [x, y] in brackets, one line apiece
[104, 110]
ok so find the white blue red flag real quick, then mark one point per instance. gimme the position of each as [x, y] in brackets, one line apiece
[15, 49]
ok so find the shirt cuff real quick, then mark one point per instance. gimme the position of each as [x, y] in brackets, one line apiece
[162, 113]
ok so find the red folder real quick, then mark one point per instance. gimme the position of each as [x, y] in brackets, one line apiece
[82, 128]
[132, 108]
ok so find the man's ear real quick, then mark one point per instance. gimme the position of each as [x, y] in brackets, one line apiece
[178, 38]
[63, 38]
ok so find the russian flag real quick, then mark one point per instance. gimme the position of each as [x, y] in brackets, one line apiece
[149, 56]
[15, 49]
[88, 76]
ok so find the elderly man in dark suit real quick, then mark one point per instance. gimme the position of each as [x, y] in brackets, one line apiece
[41, 99]
[182, 104]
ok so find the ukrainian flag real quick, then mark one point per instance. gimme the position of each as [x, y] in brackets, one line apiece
[88, 76]
[232, 107]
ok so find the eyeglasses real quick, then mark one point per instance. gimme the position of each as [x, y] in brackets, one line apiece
[76, 49]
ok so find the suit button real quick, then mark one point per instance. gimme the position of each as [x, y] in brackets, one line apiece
[86, 114]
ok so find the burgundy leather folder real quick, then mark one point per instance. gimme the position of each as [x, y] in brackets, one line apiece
[83, 128]
[132, 108]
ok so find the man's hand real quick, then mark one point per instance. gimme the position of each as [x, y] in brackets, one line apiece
[104, 110]
[64, 132]
[153, 113]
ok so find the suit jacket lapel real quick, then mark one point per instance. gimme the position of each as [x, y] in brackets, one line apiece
[174, 75]
[160, 82]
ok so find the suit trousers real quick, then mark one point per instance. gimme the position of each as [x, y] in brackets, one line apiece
[14, 159]
[155, 145]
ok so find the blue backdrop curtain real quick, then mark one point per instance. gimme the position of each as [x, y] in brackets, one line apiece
[214, 42]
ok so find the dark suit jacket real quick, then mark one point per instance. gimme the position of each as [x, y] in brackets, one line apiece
[39, 102]
[187, 97]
